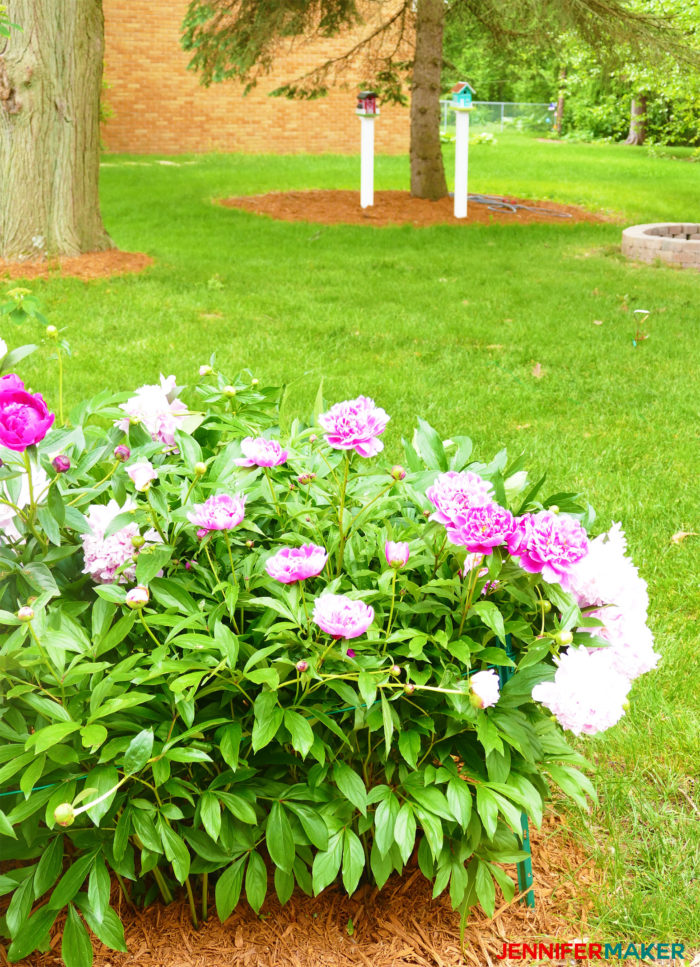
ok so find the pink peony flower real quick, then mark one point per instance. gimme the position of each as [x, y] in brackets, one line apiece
[157, 408]
[104, 556]
[355, 425]
[24, 417]
[259, 452]
[218, 513]
[481, 528]
[341, 616]
[138, 597]
[587, 695]
[453, 494]
[296, 563]
[548, 543]
[396, 553]
[141, 474]
[485, 688]
[631, 648]
[606, 575]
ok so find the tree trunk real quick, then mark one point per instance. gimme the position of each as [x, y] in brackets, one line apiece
[427, 169]
[50, 84]
[559, 118]
[638, 121]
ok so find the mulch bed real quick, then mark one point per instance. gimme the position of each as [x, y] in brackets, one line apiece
[401, 926]
[396, 208]
[92, 265]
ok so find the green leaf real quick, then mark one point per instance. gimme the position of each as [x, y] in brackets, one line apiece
[121, 835]
[300, 731]
[284, 885]
[50, 735]
[151, 560]
[431, 799]
[312, 823]
[92, 736]
[353, 861]
[388, 723]
[367, 686]
[230, 745]
[382, 866]
[6, 828]
[327, 863]
[491, 617]
[460, 801]
[256, 881]
[429, 445]
[239, 807]
[210, 813]
[384, 823]
[268, 718]
[76, 949]
[409, 747]
[138, 752]
[20, 906]
[32, 935]
[279, 839]
[485, 889]
[145, 829]
[351, 786]
[49, 867]
[71, 881]
[98, 890]
[487, 808]
[405, 831]
[101, 779]
[110, 930]
[175, 850]
[228, 888]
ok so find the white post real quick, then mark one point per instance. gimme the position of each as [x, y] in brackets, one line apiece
[461, 161]
[367, 161]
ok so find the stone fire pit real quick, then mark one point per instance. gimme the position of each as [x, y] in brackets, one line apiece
[677, 243]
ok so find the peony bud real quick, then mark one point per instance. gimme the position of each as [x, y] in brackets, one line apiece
[61, 463]
[563, 638]
[122, 453]
[188, 565]
[52, 332]
[484, 689]
[350, 652]
[229, 391]
[138, 597]
[398, 472]
[396, 554]
[254, 382]
[302, 666]
[26, 614]
[138, 541]
[200, 468]
[204, 370]
[64, 814]
[553, 509]
[250, 543]
[546, 605]
[409, 688]
[395, 670]
[313, 438]
[305, 478]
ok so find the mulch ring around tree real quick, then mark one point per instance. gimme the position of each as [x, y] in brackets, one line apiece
[91, 265]
[399, 926]
[399, 208]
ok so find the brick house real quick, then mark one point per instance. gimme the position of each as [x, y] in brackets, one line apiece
[159, 107]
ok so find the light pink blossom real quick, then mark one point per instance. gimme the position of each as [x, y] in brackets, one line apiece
[396, 553]
[141, 474]
[138, 597]
[454, 494]
[485, 688]
[355, 425]
[587, 695]
[606, 575]
[221, 512]
[259, 452]
[548, 543]
[341, 616]
[292, 564]
[631, 647]
[104, 556]
[157, 408]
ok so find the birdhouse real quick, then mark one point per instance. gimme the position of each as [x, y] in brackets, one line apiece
[462, 94]
[367, 104]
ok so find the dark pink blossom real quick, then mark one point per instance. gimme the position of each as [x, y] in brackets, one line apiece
[355, 425]
[548, 543]
[292, 564]
[24, 418]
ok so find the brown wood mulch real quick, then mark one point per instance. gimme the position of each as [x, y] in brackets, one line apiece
[397, 208]
[91, 265]
[401, 926]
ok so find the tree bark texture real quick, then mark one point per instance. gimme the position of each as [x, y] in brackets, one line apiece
[50, 85]
[427, 169]
[638, 121]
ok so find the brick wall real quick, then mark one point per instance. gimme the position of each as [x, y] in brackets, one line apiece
[160, 107]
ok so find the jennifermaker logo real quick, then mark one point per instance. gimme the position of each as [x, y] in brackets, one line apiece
[593, 951]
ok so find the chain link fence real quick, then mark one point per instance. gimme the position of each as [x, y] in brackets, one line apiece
[492, 116]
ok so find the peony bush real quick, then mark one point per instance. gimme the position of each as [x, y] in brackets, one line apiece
[241, 653]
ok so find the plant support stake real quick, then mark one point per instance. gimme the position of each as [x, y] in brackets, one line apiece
[367, 111]
[462, 106]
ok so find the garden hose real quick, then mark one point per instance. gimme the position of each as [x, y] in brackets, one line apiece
[498, 203]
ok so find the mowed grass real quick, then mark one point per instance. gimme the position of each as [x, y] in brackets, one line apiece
[521, 336]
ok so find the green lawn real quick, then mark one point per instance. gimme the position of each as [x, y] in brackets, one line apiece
[449, 323]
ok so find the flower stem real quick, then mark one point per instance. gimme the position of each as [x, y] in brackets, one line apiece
[193, 909]
[470, 593]
[162, 885]
[341, 511]
[391, 610]
[272, 491]
[205, 896]
[230, 556]
[148, 630]
[60, 386]
[154, 517]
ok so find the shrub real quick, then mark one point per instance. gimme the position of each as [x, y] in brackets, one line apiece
[229, 650]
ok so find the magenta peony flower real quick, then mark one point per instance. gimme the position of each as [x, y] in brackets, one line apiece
[548, 543]
[481, 528]
[157, 408]
[453, 494]
[122, 453]
[141, 474]
[296, 563]
[587, 695]
[104, 556]
[355, 425]
[259, 452]
[341, 616]
[218, 513]
[61, 463]
[396, 554]
[485, 688]
[24, 417]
